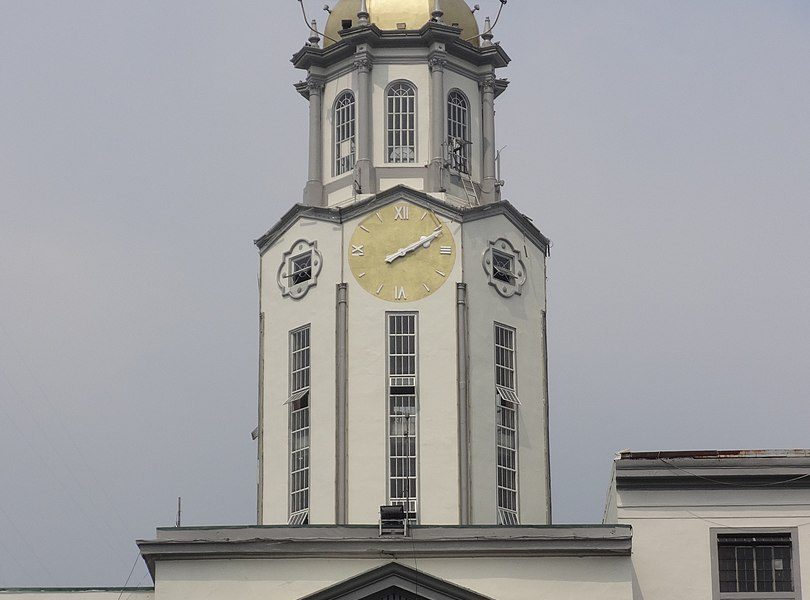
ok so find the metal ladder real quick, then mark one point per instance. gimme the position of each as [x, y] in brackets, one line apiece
[469, 188]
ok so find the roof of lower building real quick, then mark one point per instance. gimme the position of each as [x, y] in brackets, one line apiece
[713, 469]
[364, 541]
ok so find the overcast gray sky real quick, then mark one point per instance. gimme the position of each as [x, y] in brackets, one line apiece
[663, 146]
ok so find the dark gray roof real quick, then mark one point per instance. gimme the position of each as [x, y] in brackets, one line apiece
[713, 469]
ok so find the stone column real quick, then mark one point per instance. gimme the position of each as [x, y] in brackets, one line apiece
[437, 101]
[313, 192]
[489, 187]
[365, 177]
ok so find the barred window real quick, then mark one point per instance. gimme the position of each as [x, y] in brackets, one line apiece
[401, 123]
[344, 133]
[507, 403]
[755, 563]
[402, 413]
[298, 402]
[301, 268]
[458, 131]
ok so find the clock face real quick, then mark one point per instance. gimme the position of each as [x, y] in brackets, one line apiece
[402, 253]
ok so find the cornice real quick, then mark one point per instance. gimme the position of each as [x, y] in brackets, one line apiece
[364, 542]
[400, 192]
[373, 36]
[754, 473]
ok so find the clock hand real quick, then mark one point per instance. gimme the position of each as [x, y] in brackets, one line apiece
[424, 241]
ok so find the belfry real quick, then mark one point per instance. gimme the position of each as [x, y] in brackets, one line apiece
[403, 302]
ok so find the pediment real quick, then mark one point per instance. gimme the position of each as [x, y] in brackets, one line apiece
[396, 194]
[395, 581]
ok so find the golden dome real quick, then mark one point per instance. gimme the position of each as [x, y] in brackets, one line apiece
[391, 14]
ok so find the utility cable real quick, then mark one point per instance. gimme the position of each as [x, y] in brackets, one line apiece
[497, 18]
[131, 571]
[61, 422]
[35, 452]
[727, 483]
[26, 544]
[311, 28]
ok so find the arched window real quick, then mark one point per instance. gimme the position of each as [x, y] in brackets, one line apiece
[458, 131]
[401, 123]
[344, 133]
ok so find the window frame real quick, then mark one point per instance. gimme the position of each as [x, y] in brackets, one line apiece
[352, 124]
[388, 415]
[308, 269]
[387, 130]
[716, 532]
[302, 516]
[506, 516]
[464, 165]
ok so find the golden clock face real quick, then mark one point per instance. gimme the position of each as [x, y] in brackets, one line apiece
[402, 253]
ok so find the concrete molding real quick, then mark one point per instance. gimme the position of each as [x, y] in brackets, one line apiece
[339, 215]
[363, 541]
[373, 36]
[78, 590]
[712, 471]
[395, 576]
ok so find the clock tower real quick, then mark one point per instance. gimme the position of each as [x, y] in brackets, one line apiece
[402, 303]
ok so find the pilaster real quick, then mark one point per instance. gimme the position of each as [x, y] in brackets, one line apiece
[365, 177]
[436, 63]
[313, 192]
[489, 184]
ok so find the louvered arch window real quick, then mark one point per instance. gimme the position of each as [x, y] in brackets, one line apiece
[458, 131]
[345, 128]
[400, 123]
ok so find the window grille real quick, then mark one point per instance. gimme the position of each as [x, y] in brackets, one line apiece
[299, 425]
[401, 123]
[344, 133]
[507, 406]
[503, 267]
[402, 411]
[756, 563]
[458, 131]
[301, 268]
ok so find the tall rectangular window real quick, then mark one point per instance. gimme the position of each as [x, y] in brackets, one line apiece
[400, 114]
[402, 412]
[298, 402]
[344, 133]
[458, 134]
[756, 564]
[507, 425]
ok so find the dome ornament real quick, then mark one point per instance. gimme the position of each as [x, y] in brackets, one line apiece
[314, 38]
[313, 28]
[487, 35]
[362, 14]
[438, 13]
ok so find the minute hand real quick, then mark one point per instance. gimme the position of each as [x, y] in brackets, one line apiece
[425, 241]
